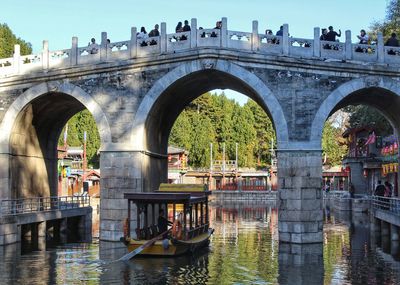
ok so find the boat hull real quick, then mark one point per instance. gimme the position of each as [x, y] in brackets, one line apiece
[174, 248]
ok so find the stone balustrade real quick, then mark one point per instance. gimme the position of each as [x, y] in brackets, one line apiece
[254, 42]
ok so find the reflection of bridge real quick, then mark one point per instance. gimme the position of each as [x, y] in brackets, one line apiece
[44, 218]
[136, 93]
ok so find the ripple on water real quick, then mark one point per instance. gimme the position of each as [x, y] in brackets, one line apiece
[243, 250]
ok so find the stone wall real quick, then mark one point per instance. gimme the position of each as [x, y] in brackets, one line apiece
[300, 203]
[135, 102]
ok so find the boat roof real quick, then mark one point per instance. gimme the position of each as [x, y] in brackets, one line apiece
[167, 197]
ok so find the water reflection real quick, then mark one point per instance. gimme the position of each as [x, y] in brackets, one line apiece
[244, 250]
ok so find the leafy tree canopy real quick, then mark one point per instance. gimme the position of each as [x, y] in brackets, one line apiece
[77, 125]
[8, 40]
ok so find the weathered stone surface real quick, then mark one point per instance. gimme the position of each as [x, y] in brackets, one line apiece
[135, 101]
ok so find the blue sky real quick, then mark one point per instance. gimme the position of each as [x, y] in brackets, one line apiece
[58, 21]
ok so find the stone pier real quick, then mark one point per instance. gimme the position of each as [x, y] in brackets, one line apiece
[121, 173]
[300, 203]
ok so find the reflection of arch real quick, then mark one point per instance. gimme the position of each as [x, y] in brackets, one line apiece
[37, 91]
[250, 84]
[382, 94]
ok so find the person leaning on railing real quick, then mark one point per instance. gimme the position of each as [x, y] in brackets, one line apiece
[363, 37]
[392, 42]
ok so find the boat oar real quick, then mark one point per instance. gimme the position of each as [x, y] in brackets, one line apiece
[142, 247]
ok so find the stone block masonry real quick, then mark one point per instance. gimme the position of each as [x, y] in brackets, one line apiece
[300, 204]
[136, 94]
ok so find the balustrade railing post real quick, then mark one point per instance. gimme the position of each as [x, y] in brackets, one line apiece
[317, 43]
[163, 38]
[74, 51]
[132, 44]
[380, 48]
[224, 32]
[103, 46]
[348, 46]
[285, 39]
[17, 58]
[45, 55]
[193, 33]
[255, 41]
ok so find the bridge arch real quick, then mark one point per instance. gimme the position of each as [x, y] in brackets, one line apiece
[29, 134]
[214, 74]
[174, 91]
[380, 93]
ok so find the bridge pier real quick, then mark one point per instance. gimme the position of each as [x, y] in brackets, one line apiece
[300, 204]
[121, 172]
[385, 228]
[301, 264]
[394, 232]
[85, 228]
[41, 236]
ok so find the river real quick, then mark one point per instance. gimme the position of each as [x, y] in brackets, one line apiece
[244, 250]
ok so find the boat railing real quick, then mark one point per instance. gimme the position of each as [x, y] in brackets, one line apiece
[197, 231]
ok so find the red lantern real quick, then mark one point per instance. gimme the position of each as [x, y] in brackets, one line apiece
[365, 172]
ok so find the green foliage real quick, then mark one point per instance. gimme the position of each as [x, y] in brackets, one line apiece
[362, 115]
[390, 24]
[77, 125]
[8, 40]
[333, 145]
[213, 118]
[265, 133]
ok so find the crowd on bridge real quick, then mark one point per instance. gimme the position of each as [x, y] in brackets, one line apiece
[145, 38]
[327, 35]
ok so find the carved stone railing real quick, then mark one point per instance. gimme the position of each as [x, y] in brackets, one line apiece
[284, 45]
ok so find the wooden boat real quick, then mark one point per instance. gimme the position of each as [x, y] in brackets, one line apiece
[185, 205]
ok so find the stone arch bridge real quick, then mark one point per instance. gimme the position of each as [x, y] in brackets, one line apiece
[136, 92]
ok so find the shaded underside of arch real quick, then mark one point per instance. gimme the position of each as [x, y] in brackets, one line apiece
[382, 94]
[33, 144]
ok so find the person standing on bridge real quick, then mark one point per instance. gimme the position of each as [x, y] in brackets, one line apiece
[179, 28]
[186, 27]
[155, 32]
[392, 42]
[331, 35]
[142, 36]
[280, 32]
[93, 47]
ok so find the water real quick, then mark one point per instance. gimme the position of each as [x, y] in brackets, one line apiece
[244, 250]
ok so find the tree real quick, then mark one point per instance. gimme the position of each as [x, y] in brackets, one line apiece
[181, 133]
[333, 145]
[202, 135]
[77, 125]
[390, 24]
[8, 40]
[265, 133]
[214, 118]
[362, 115]
[245, 135]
